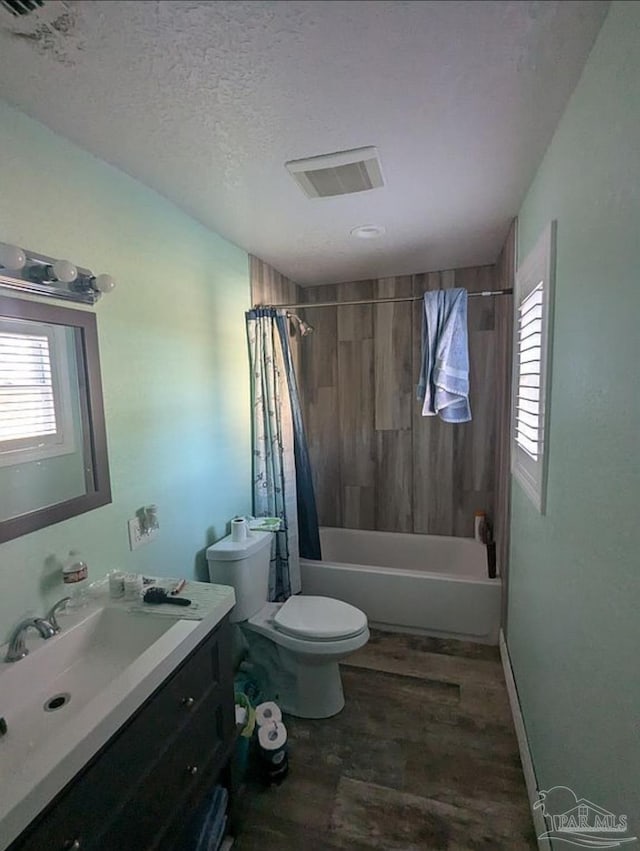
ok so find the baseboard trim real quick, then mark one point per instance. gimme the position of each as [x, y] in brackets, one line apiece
[523, 745]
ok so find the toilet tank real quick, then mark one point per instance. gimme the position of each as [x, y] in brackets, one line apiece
[245, 566]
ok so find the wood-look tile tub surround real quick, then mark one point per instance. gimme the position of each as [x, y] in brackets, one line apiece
[270, 287]
[377, 462]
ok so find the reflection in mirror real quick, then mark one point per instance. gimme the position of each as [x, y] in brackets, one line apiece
[53, 461]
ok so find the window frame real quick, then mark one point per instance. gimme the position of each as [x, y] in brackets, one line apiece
[62, 441]
[538, 267]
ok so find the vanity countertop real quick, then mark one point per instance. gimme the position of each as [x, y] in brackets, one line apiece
[108, 658]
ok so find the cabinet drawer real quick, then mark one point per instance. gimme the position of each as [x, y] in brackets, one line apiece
[189, 685]
[141, 822]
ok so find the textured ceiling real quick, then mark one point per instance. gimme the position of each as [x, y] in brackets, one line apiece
[205, 101]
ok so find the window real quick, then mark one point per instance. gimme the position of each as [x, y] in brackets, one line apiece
[532, 357]
[35, 408]
[527, 425]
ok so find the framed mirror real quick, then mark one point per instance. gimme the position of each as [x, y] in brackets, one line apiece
[53, 448]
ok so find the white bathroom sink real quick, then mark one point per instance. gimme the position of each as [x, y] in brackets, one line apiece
[97, 671]
[67, 672]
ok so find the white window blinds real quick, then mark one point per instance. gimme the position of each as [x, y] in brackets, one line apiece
[534, 287]
[27, 405]
[528, 425]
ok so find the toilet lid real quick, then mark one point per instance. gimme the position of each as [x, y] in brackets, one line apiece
[319, 617]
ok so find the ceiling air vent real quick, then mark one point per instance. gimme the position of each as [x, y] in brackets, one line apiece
[21, 7]
[337, 174]
[49, 26]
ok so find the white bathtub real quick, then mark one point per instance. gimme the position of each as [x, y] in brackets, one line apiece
[415, 583]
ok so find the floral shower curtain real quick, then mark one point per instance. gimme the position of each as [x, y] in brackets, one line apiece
[277, 442]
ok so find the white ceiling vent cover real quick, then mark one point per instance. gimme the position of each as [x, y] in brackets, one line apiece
[26, 17]
[337, 174]
[21, 7]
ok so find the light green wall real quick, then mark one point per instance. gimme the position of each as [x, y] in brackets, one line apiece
[174, 363]
[574, 603]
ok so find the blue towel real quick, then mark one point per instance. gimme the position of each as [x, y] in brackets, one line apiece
[211, 821]
[444, 375]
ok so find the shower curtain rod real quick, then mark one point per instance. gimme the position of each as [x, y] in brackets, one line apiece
[484, 293]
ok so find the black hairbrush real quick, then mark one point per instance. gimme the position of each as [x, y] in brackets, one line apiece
[155, 596]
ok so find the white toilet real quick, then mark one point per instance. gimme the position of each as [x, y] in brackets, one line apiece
[297, 643]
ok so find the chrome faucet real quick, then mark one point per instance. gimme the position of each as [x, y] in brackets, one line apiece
[51, 618]
[17, 648]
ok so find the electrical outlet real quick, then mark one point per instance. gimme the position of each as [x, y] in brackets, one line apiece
[138, 537]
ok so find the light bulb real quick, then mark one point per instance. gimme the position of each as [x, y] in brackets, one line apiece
[12, 257]
[64, 271]
[104, 283]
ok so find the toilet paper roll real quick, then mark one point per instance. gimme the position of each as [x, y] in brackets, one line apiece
[272, 737]
[267, 712]
[239, 530]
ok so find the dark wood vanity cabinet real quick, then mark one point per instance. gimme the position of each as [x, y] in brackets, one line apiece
[140, 791]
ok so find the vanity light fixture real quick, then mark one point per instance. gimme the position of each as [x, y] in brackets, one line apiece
[25, 271]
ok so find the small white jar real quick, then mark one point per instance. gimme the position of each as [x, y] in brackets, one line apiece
[116, 584]
[132, 586]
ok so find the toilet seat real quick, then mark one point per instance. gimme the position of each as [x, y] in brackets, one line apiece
[319, 619]
[263, 623]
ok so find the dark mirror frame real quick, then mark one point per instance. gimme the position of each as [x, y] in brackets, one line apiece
[98, 482]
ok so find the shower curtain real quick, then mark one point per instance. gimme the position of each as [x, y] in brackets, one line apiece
[282, 485]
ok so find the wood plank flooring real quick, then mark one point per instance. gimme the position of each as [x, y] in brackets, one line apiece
[422, 757]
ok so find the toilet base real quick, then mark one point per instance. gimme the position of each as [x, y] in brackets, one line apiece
[317, 692]
[303, 686]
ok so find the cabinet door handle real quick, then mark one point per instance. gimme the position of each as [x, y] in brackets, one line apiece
[72, 845]
[192, 769]
[188, 702]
